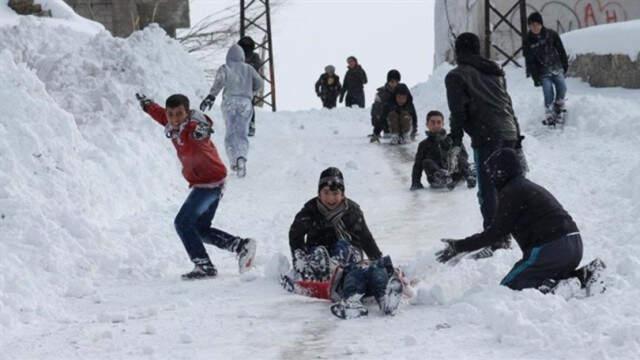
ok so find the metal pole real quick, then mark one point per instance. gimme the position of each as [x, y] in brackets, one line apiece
[271, 61]
[523, 23]
[242, 18]
[487, 29]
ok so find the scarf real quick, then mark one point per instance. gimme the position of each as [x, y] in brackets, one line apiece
[334, 216]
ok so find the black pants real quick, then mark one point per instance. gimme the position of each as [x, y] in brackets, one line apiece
[487, 193]
[329, 101]
[355, 98]
[554, 260]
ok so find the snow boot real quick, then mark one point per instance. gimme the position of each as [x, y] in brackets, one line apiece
[241, 167]
[246, 250]
[203, 269]
[549, 118]
[590, 277]
[350, 308]
[392, 296]
[319, 264]
[395, 139]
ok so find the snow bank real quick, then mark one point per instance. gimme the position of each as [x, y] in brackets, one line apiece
[78, 156]
[61, 15]
[616, 38]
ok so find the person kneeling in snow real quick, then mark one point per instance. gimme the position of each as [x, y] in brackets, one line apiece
[443, 163]
[546, 233]
[329, 226]
[190, 131]
[402, 117]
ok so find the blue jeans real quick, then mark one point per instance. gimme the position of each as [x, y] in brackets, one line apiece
[367, 280]
[549, 81]
[193, 224]
[554, 260]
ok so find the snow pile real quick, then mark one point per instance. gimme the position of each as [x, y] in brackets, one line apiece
[78, 156]
[616, 38]
[61, 15]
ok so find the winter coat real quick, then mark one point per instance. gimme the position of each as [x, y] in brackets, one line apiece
[435, 147]
[527, 211]
[254, 60]
[544, 54]
[236, 77]
[354, 81]
[385, 97]
[408, 106]
[201, 164]
[328, 85]
[310, 228]
[479, 102]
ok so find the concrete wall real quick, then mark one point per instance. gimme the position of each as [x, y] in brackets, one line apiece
[606, 70]
[560, 15]
[122, 17]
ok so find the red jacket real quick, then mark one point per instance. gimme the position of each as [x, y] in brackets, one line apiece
[201, 164]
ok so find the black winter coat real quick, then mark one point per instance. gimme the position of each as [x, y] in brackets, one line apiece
[479, 102]
[544, 53]
[527, 211]
[310, 228]
[323, 86]
[385, 97]
[354, 81]
[254, 60]
[436, 148]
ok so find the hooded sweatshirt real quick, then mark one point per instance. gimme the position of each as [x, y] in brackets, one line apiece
[237, 78]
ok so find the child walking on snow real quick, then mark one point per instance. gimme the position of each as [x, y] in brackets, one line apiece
[241, 82]
[189, 131]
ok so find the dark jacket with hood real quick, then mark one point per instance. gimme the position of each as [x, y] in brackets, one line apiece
[479, 102]
[544, 54]
[408, 106]
[310, 228]
[385, 97]
[435, 147]
[328, 85]
[354, 80]
[526, 210]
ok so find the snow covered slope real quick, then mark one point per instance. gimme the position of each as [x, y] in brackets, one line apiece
[89, 187]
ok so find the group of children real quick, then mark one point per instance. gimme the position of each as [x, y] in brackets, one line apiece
[329, 89]
[334, 254]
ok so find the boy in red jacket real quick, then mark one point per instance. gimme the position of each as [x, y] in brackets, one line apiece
[189, 131]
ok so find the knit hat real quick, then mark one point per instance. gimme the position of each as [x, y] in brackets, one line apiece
[393, 75]
[402, 89]
[352, 58]
[467, 44]
[503, 165]
[331, 177]
[330, 69]
[535, 17]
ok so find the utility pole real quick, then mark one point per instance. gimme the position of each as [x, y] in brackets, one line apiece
[489, 28]
[261, 22]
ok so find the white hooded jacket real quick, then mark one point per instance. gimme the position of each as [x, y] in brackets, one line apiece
[237, 78]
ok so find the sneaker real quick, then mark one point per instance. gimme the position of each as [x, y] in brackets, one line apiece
[392, 296]
[471, 181]
[246, 251]
[590, 277]
[200, 271]
[395, 139]
[350, 308]
[241, 167]
[549, 118]
[374, 138]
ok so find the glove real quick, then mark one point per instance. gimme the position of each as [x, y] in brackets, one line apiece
[144, 102]
[417, 186]
[201, 131]
[448, 252]
[207, 103]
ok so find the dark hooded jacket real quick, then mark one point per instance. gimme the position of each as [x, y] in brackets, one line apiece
[544, 54]
[310, 228]
[435, 147]
[354, 80]
[479, 102]
[526, 210]
[408, 106]
[385, 97]
[328, 85]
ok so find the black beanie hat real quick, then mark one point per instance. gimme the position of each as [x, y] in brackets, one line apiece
[331, 177]
[393, 75]
[503, 165]
[535, 17]
[467, 44]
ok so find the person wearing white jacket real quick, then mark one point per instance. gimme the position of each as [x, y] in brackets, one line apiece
[241, 83]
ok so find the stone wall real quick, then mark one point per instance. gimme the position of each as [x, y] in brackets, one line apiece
[607, 70]
[122, 17]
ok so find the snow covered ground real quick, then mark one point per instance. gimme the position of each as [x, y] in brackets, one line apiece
[89, 187]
